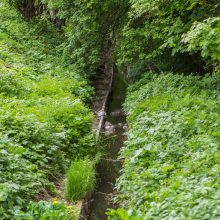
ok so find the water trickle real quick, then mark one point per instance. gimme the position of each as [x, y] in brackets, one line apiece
[109, 167]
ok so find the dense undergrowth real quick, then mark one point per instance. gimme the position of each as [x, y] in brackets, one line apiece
[172, 152]
[44, 121]
[171, 168]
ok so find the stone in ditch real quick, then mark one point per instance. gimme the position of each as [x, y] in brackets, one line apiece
[109, 128]
[125, 127]
[120, 124]
[101, 113]
[116, 113]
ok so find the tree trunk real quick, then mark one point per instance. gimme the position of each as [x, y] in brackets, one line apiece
[28, 9]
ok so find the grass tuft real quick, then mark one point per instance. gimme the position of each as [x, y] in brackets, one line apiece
[80, 179]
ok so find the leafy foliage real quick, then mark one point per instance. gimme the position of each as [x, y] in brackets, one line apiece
[171, 155]
[169, 36]
[204, 37]
[90, 26]
[172, 152]
[47, 210]
[44, 121]
[122, 214]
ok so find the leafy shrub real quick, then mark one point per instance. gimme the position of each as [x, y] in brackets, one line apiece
[80, 179]
[169, 35]
[20, 179]
[120, 214]
[47, 210]
[204, 37]
[172, 152]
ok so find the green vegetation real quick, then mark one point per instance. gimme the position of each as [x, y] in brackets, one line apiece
[121, 214]
[44, 122]
[170, 52]
[80, 179]
[90, 28]
[170, 35]
[48, 210]
[171, 168]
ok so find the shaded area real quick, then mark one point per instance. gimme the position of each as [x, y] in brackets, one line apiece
[109, 167]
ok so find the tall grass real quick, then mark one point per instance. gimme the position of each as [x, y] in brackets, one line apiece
[80, 179]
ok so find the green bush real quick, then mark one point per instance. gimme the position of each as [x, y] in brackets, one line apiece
[171, 168]
[204, 37]
[120, 214]
[80, 179]
[20, 179]
[47, 211]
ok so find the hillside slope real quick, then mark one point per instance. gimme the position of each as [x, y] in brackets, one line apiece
[44, 120]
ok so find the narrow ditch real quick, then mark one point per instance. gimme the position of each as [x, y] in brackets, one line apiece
[114, 135]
